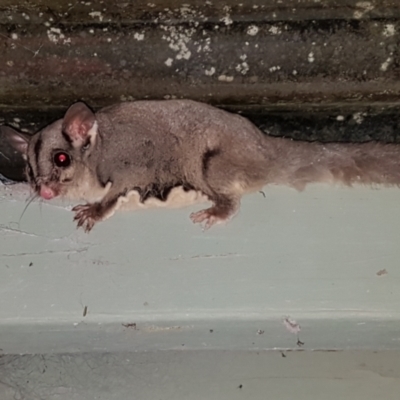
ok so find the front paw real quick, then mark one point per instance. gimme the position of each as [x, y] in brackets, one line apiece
[87, 215]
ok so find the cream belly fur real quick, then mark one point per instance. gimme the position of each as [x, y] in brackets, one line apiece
[177, 198]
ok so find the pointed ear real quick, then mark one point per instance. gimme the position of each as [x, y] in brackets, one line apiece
[19, 141]
[78, 123]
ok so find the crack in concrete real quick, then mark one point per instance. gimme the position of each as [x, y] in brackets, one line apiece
[200, 256]
[46, 252]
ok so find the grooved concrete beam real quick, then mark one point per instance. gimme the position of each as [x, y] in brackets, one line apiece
[326, 70]
[289, 52]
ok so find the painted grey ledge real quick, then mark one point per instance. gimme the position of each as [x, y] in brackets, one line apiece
[151, 281]
[327, 257]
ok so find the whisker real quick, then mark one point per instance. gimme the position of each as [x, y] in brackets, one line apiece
[29, 200]
[41, 207]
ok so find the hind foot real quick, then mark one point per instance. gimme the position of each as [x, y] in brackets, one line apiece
[212, 216]
[209, 217]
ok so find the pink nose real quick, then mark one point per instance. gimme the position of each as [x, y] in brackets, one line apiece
[46, 192]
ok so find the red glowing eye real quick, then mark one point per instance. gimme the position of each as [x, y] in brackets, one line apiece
[62, 159]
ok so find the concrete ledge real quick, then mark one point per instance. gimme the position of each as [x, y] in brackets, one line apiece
[150, 304]
[326, 257]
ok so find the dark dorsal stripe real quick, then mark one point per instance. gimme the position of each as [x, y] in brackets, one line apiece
[37, 149]
[66, 137]
[207, 156]
[31, 176]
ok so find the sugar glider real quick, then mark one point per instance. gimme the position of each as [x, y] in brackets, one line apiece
[151, 147]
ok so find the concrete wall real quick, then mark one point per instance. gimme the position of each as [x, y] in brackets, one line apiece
[296, 298]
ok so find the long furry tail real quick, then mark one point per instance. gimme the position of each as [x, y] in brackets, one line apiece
[366, 163]
[347, 163]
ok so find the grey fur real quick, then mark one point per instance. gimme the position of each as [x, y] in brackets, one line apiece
[152, 146]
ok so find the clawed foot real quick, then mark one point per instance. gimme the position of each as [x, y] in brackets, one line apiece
[87, 215]
[211, 216]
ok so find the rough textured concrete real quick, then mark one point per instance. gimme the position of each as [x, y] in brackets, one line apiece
[289, 52]
[199, 375]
